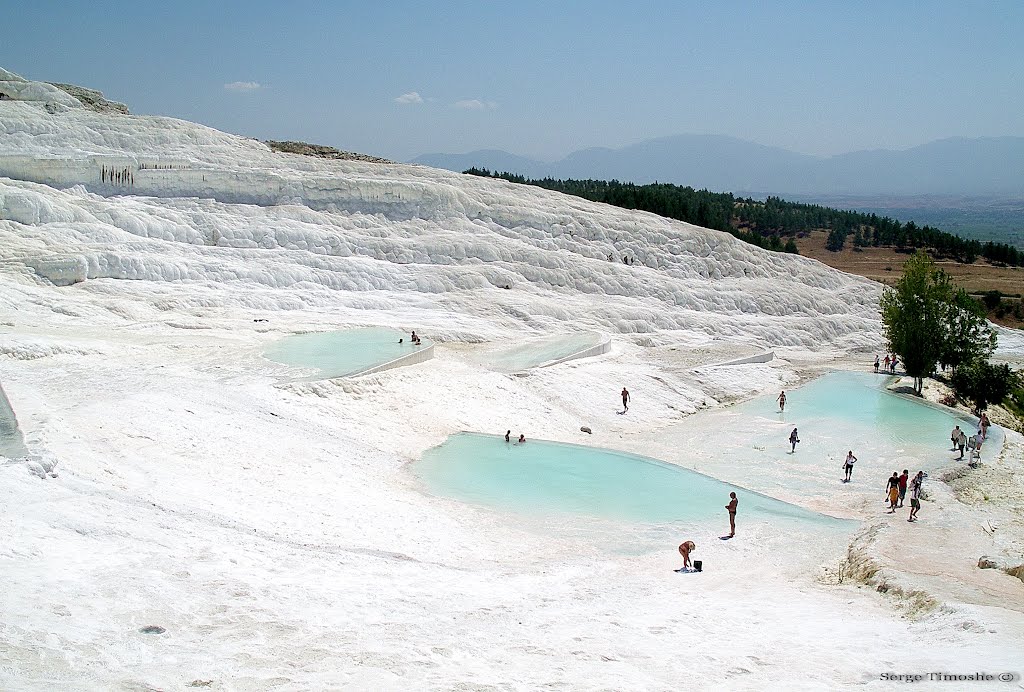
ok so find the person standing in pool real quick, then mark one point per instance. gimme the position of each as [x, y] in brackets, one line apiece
[892, 491]
[876, 363]
[625, 399]
[731, 507]
[508, 433]
[685, 548]
[848, 466]
[903, 485]
[522, 438]
[793, 439]
[781, 398]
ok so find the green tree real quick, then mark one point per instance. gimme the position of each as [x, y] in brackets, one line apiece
[984, 383]
[968, 335]
[914, 315]
[836, 240]
[992, 299]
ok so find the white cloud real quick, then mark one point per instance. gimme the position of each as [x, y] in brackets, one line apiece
[411, 97]
[243, 86]
[476, 105]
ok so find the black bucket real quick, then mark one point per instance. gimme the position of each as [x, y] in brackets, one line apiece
[698, 565]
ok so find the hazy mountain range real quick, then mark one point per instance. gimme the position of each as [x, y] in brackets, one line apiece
[955, 166]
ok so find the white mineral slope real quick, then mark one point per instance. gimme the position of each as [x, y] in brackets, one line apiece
[274, 529]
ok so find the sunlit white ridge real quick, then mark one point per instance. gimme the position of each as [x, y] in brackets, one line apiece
[192, 192]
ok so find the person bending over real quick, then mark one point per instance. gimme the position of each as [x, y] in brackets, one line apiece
[685, 548]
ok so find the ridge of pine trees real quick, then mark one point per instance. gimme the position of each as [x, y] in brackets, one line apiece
[766, 224]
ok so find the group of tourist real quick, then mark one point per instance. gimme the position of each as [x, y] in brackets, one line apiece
[896, 491]
[118, 176]
[973, 443]
[414, 339]
[889, 363]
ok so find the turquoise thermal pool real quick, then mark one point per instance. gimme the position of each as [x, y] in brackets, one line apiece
[846, 410]
[343, 353]
[593, 490]
[548, 478]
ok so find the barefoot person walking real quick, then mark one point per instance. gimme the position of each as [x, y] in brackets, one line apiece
[793, 439]
[915, 495]
[733, 503]
[625, 399]
[781, 398]
[892, 491]
[848, 465]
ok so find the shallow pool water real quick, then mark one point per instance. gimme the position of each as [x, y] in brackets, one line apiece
[535, 353]
[850, 410]
[548, 478]
[860, 400]
[342, 353]
[748, 443]
[560, 485]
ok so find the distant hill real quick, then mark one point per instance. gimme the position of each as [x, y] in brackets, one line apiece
[999, 219]
[955, 166]
[491, 159]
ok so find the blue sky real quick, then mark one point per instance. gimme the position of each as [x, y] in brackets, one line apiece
[542, 78]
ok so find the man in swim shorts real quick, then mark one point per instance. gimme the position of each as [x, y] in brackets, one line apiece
[625, 399]
[685, 548]
[903, 485]
[733, 503]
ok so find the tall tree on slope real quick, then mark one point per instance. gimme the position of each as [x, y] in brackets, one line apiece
[928, 320]
[970, 336]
